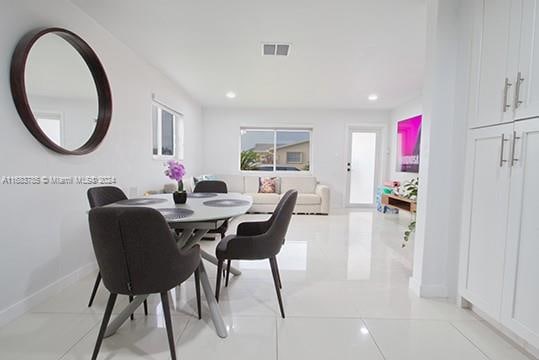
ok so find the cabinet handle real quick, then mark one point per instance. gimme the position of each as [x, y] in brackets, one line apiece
[501, 152]
[513, 148]
[520, 80]
[506, 87]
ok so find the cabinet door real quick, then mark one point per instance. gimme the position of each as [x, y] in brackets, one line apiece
[521, 291]
[527, 88]
[484, 218]
[494, 61]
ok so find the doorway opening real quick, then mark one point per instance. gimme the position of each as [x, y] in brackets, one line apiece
[363, 166]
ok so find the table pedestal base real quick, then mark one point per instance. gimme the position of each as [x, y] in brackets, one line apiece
[190, 238]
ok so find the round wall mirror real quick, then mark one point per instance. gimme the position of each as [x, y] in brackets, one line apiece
[61, 91]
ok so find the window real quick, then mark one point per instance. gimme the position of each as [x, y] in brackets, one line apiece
[294, 157]
[167, 132]
[51, 124]
[275, 149]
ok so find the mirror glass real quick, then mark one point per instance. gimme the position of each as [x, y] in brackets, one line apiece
[61, 92]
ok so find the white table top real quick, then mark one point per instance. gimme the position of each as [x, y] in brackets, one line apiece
[202, 212]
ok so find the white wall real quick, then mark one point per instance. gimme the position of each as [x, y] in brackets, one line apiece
[44, 235]
[405, 111]
[442, 149]
[77, 117]
[329, 139]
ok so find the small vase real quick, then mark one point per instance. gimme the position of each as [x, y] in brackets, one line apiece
[180, 197]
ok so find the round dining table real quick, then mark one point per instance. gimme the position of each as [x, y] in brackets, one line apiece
[201, 213]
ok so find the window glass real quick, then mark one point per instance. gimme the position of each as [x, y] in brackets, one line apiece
[293, 150]
[256, 150]
[155, 143]
[167, 133]
[275, 150]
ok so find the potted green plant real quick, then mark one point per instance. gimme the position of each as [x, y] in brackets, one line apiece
[409, 190]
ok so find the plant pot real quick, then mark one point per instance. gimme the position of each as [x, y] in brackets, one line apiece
[180, 197]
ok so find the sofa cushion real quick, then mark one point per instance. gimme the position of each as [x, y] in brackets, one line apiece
[234, 183]
[268, 185]
[303, 184]
[260, 198]
[308, 199]
[251, 184]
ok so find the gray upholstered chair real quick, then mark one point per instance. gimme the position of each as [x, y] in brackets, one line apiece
[258, 241]
[101, 196]
[213, 186]
[137, 255]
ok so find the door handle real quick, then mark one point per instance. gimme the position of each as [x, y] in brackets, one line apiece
[520, 80]
[501, 152]
[513, 148]
[506, 87]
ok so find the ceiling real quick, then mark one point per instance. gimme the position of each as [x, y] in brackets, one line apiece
[342, 50]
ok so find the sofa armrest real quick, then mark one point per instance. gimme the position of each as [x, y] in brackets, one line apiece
[323, 192]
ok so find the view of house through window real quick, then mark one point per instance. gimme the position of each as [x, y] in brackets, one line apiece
[275, 150]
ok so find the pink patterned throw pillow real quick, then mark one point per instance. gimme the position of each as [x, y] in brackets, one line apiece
[267, 185]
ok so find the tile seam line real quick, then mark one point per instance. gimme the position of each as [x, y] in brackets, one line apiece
[79, 340]
[371, 334]
[469, 340]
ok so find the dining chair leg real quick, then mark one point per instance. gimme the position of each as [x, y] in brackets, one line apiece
[197, 288]
[131, 300]
[218, 285]
[94, 291]
[227, 272]
[104, 324]
[168, 323]
[275, 274]
[146, 307]
[277, 271]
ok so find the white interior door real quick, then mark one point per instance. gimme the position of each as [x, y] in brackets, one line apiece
[521, 291]
[485, 215]
[363, 167]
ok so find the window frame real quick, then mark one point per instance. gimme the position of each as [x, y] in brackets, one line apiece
[177, 130]
[275, 130]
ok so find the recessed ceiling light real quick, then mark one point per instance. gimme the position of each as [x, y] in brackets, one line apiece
[373, 97]
[231, 94]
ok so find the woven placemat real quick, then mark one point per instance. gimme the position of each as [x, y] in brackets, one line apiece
[141, 201]
[226, 203]
[175, 213]
[201, 195]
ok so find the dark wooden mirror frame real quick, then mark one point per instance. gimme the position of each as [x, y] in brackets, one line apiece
[18, 89]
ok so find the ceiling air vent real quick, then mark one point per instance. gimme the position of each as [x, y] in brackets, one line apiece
[273, 49]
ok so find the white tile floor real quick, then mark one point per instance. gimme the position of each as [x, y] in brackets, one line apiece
[345, 289]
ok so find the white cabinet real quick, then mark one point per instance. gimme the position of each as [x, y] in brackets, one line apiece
[521, 291]
[499, 264]
[494, 61]
[504, 85]
[485, 214]
[527, 80]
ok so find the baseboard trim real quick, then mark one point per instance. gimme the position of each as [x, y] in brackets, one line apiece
[20, 308]
[427, 291]
[517, 341]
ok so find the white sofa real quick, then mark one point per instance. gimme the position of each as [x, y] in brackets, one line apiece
[313, 198]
